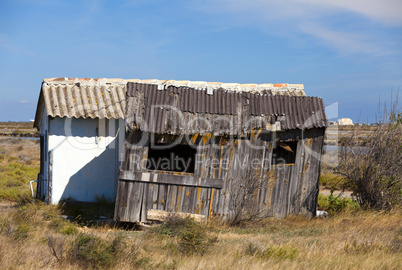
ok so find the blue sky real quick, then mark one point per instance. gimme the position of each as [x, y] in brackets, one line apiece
[345, 51]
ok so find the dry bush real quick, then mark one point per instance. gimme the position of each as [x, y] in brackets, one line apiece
[243, 203]
[191, 236]
[374, 168]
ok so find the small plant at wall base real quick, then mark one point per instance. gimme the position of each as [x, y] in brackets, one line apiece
[334, 204]
[374, 172]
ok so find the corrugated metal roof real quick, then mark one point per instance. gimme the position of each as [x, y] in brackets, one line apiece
[177, 110]
[105, 98]
[84, 101]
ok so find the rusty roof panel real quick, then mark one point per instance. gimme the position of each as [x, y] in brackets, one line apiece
[256, 110]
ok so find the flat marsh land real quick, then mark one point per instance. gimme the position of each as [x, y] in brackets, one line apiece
[36, 236]
[18, 129]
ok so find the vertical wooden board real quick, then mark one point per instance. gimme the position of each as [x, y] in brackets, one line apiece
[218, 174]
[292, 191]
[306, 167]
[135, 202]
[226, 198]
[185, 201]
[197, 200]
[193, 200]
[161, 205]
[123, 201]
[276, 191]
[155, 196]
[225, 167]
[119, 206]
[305, 192]
[298, 174]
[270, 190]
[214, 202]
[280, 184]
[144, 202]
[281, 202]
[236, 179]
[180, 198]
[298, 169]
[285, 194]
[208, 204]
[264, 201]
[312, 189]
[295, 181]
[150, 196]
[273, 189]
[203, 201]
[172, 198]
[127, 201]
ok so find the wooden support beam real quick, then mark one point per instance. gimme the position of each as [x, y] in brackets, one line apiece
[179, 180]
[161, 215]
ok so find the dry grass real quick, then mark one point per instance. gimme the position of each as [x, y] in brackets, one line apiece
[34, 236]
[333, 181]
[19, 163]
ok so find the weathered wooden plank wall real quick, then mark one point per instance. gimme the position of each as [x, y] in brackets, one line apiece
[278, 190]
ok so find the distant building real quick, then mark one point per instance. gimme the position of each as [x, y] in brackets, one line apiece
[332, 123]
[345, 122]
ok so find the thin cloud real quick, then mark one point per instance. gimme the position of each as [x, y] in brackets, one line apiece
[23, 101]
[343, 42]
[319, 19]
[386, 11]
[7, 45]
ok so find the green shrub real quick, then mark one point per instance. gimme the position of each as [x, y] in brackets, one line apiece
[68, 228]
[335, 204]
[271, 252]
[191, 236]
[22, 231]
[90, 251]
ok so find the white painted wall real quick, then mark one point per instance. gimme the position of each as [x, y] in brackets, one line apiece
[86, 157]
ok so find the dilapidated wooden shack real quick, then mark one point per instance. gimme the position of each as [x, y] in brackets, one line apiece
[219, 152]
